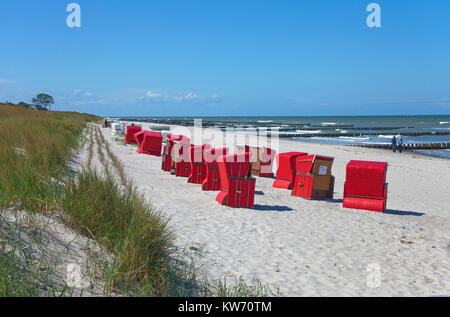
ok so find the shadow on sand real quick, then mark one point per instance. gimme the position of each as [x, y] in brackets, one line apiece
[403, 213]
[272, 208]
[388, 211]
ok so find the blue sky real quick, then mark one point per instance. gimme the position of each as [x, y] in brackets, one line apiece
[217, 57]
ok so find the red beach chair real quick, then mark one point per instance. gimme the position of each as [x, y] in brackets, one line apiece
[167, 152]
[313, 178]
[365, 186]
[237, 189]
[149, 142]
[266, 162]
[129, 136]
[262, 162]
[198, 163]
[212, 181]
[180, 157]
[286, 169]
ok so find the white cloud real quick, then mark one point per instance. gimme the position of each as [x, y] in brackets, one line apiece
[190, 96]
[152, 95]
[6, 81]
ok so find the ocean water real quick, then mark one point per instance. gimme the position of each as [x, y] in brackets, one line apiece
[368, 129]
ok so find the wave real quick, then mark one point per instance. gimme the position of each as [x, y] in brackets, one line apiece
[328, 123]
[354, 138]
[308, 131]
[385, 136]
[444, 122]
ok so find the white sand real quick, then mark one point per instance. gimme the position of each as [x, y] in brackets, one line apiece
[315, 248]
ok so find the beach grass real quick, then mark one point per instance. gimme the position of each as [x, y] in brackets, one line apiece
[129, 228]
[34, 149]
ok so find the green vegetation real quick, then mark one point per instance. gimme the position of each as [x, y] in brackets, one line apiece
[34, 149]
[128, 227]
[43, 102]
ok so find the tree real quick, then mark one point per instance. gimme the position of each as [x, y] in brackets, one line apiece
[23, 105]
[43, 102]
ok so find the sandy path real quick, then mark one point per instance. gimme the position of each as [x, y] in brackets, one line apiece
[315, 248]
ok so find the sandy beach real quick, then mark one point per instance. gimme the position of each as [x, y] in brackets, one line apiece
[313, 248]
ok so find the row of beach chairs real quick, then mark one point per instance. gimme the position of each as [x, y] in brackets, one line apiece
[306, 176]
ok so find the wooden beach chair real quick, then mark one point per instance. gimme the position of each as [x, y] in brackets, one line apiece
[198, 163]
[181, 166]
[237, 188]
[313, 179]
[166, 165]
[365, 186]
[262, 162]
[266, 162]
[212, 180]
[129, 135]
[149, 142]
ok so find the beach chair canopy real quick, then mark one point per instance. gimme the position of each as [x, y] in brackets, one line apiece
[131, 131]
[365, 186]
[149, 142]
[366, 178]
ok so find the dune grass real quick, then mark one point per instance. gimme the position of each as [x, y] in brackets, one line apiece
[127, 226]
[34, 149]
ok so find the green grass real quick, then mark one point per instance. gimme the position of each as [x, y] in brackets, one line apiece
[34, 149]
[127, 226]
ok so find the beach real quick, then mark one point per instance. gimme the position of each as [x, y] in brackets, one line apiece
[311, 248]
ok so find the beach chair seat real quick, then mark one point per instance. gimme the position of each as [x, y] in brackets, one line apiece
[198, 163]
[149, 142]
[365, 186]
[129, 135]
[313, 179]
[286, 169]
[237, 188]
[212, 180]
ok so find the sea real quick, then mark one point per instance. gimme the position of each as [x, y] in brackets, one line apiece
[340, 130]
